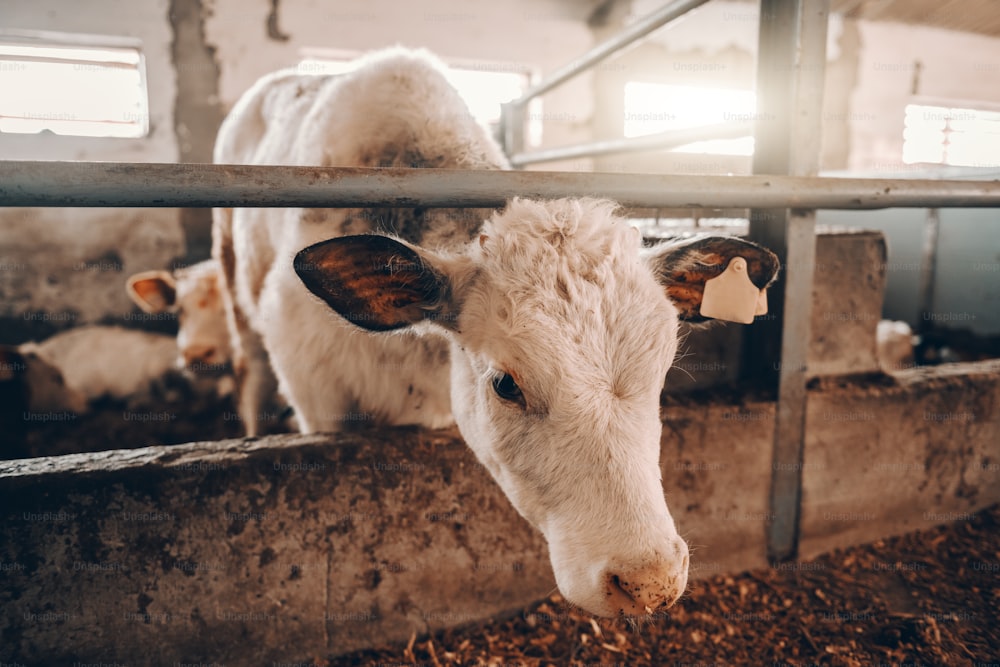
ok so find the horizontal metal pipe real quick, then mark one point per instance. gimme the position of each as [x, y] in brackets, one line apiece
[632, 33]
[114, 184]
[659, 141]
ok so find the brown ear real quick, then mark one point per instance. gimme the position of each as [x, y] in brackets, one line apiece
[153, 291]
[373, 281]
[683, 268]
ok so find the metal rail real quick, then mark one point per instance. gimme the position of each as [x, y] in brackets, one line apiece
[628, 36]
[117, 184]
[659, 141]
[512, 113]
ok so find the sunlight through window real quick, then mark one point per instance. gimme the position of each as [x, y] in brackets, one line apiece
[655, 107]
[953, 136]
[77, 90]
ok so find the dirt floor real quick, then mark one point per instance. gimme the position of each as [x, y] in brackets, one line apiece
[176, 412]
[926, 599]
[178, 409]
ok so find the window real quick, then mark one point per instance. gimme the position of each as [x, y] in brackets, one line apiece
[483, 86]
[655, 107]
[955, 136]
[72, 85]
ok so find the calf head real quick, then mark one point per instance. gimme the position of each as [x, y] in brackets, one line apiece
[563, 329]
[194, 294]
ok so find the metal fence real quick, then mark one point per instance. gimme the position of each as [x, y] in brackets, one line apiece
[35, 183]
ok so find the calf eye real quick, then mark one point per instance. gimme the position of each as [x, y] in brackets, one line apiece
[506, 388]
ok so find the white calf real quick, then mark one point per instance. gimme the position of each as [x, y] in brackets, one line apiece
[545, 330]
[194, 294]
[256, 131]
[76, 367]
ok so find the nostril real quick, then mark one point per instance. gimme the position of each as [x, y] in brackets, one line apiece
[198, 355]
[626, 597]
[617, 591]
[645, 590]
[615, 586]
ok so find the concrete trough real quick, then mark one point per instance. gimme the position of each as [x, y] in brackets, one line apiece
[251, 551]
[884, 459]
[290, 548]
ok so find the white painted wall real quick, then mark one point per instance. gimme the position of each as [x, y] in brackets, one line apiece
[955, 67]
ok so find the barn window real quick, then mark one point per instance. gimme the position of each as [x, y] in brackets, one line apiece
[72, 85]
[483, 85]
[655, 107]
[958, 136]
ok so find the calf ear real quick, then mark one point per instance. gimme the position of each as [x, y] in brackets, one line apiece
[685, 267]
[153, 291]
[373, 281]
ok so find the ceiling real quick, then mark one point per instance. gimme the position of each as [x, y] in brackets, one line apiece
[978, 16]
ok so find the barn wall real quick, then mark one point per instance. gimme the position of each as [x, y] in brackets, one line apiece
[900, 65]
[869, 79]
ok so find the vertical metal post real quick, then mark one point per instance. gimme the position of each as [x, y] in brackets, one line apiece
[512, 128]
[928, 269]
[791, 63]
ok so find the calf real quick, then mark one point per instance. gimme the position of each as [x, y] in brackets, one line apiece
[193, 294]
[544, 330]
[74, 368]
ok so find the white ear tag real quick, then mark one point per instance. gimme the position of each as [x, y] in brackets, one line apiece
[731, 296]
[761, 303]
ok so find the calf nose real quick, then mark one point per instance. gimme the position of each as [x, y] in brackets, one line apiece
[198, 354]
[641, 590]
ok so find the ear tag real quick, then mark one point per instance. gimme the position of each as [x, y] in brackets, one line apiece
[731, 296]
[761, 303]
